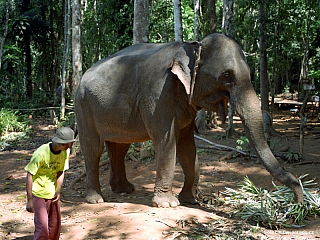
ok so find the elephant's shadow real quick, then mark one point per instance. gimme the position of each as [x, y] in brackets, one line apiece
[143, 178]
[138, 197]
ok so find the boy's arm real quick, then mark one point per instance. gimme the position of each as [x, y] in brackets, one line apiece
[60, 177]
[29, 183]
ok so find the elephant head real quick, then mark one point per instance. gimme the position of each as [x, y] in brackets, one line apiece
[216, 68]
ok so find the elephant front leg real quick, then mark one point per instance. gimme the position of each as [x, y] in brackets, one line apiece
[165, 164]
[188, 159]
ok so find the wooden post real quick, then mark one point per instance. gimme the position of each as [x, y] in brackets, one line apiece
[303, 117]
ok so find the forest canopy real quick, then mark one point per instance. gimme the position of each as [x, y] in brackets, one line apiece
[32, 41]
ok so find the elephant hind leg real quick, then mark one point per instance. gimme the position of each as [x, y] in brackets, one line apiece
[92, 149]
[118, 177]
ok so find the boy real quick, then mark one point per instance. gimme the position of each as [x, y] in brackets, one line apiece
[45, 173]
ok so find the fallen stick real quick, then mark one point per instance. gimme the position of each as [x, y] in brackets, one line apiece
[220, 147]
[227, 148]
[307, 162]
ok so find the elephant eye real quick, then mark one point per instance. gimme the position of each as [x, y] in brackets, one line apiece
[226, 74]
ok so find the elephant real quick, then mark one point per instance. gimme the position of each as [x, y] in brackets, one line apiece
[153, 91]
[59, 92]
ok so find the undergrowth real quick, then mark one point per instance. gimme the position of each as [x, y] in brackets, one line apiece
[13, 127]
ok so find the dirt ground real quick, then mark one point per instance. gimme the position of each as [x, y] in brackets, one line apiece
[131, 216]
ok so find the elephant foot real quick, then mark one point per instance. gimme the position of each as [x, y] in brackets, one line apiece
[94, 197]
[187, 197]
[122, 188]
[164, 199]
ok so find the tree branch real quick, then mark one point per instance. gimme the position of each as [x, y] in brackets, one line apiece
[221, 147]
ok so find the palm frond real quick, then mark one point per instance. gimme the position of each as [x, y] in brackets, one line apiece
[274, 208]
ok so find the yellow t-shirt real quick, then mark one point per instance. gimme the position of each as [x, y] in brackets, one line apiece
[44, 166]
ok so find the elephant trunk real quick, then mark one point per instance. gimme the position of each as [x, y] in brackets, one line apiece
[246, 103]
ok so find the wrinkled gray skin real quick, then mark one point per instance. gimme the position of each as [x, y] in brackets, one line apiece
[143, 92]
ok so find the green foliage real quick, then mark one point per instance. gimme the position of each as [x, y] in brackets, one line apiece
[149, 147]
[218, 136]
[32, 51]
[292, 156]
[10, 88]
[161, 21]
[69, 119]
[201, 151]
[11, 121]
[243, 144]
[161, 27]
[13, 128]
[106, 28]
[187, 19]
[274, 208]
[286, 35]
[273, 143]
[136, 150]
[11, 58]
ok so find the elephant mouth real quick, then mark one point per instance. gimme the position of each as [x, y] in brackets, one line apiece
[211, 100]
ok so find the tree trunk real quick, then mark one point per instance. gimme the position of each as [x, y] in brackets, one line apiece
[76, 45]
[65, 55]
[228, 26]
[304, 76]
[228, 19]
[264, 82]
[27, 48]
[264, 79]
[274, 78]
[141, 21]
[178, 33]
[211, 16]
[303, 124]
[8, 6]
[196, 19]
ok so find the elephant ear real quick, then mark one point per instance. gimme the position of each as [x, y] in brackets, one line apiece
[183, 65]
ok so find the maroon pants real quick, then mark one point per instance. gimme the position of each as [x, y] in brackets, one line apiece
[47, 219]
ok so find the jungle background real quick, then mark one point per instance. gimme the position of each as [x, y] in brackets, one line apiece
[47, 45]
[40, 40]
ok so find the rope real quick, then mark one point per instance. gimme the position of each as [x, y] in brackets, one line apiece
[195, 70]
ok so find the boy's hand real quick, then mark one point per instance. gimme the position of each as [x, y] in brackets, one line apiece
[56, 197]
[29, 183]
[60, 177]
[29, 206]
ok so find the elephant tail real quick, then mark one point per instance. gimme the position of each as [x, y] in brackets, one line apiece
[75, 130]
